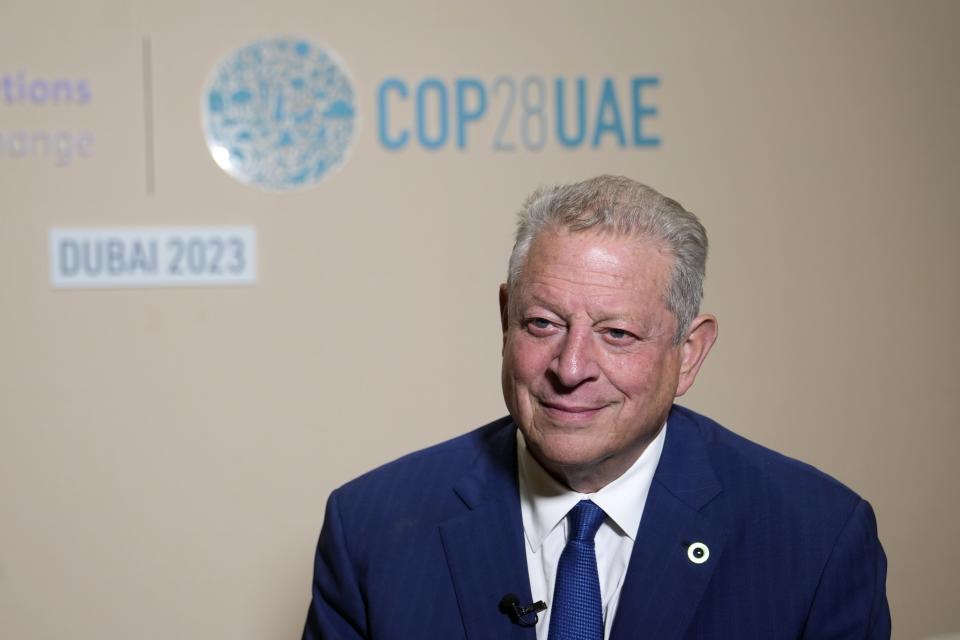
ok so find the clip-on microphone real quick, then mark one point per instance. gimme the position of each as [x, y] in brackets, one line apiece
[510, 605]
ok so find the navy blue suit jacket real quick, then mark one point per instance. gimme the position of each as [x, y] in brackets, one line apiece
[426, 546]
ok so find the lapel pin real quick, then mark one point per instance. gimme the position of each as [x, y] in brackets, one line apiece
[698, 553]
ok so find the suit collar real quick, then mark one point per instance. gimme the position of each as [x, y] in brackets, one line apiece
[484, 544]
[663, 585]
[493, 475]
[685, 469]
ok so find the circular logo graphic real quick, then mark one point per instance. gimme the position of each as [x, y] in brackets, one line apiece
[279, 114]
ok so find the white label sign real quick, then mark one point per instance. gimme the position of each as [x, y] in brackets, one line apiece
[153, 256]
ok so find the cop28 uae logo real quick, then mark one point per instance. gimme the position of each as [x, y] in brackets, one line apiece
[279, 113]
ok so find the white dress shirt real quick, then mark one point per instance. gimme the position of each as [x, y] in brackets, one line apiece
[544, 504]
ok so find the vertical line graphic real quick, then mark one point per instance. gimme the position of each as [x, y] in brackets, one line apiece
[148, 114]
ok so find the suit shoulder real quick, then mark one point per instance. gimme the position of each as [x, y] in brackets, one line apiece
[428, 469]
[749, 467]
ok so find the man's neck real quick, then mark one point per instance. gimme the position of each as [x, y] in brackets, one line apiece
[592, 477]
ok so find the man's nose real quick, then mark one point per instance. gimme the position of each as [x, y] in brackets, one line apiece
[576, 362]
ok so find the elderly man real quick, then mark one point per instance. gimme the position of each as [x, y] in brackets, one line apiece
[599, 509]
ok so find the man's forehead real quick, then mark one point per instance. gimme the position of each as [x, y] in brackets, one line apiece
[607, 276]
[597, 236]
[596, 255]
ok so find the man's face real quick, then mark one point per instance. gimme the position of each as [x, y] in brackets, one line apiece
[589, 365]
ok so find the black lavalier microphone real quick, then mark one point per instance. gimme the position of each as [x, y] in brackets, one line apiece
[510, 605]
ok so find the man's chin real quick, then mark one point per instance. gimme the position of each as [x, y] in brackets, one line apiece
[569, 452]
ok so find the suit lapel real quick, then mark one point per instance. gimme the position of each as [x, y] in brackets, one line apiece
[663, 586]
[484, 545]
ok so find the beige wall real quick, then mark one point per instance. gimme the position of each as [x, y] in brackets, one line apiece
[165, 454]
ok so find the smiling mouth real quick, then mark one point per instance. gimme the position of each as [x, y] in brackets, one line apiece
[570, 412]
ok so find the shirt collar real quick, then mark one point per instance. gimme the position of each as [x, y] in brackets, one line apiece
[544, 502]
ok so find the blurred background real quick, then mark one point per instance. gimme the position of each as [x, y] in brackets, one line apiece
[166, 451]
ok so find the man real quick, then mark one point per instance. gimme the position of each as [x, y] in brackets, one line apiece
[627, 516]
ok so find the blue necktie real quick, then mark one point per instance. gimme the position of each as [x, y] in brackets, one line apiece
[577, 612]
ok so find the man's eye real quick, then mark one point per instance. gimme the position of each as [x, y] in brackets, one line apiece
[539, 326]
[619, 336]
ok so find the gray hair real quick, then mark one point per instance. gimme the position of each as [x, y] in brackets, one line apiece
[622, 207]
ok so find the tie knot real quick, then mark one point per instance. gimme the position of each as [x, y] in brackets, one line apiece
[585, 519]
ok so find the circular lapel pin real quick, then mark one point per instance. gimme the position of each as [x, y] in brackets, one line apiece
[698, 553]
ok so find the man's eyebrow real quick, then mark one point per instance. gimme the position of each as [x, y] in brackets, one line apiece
[618, 315]
[533, 300]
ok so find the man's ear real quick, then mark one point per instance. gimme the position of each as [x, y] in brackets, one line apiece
[504, 304]
[694, 350]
